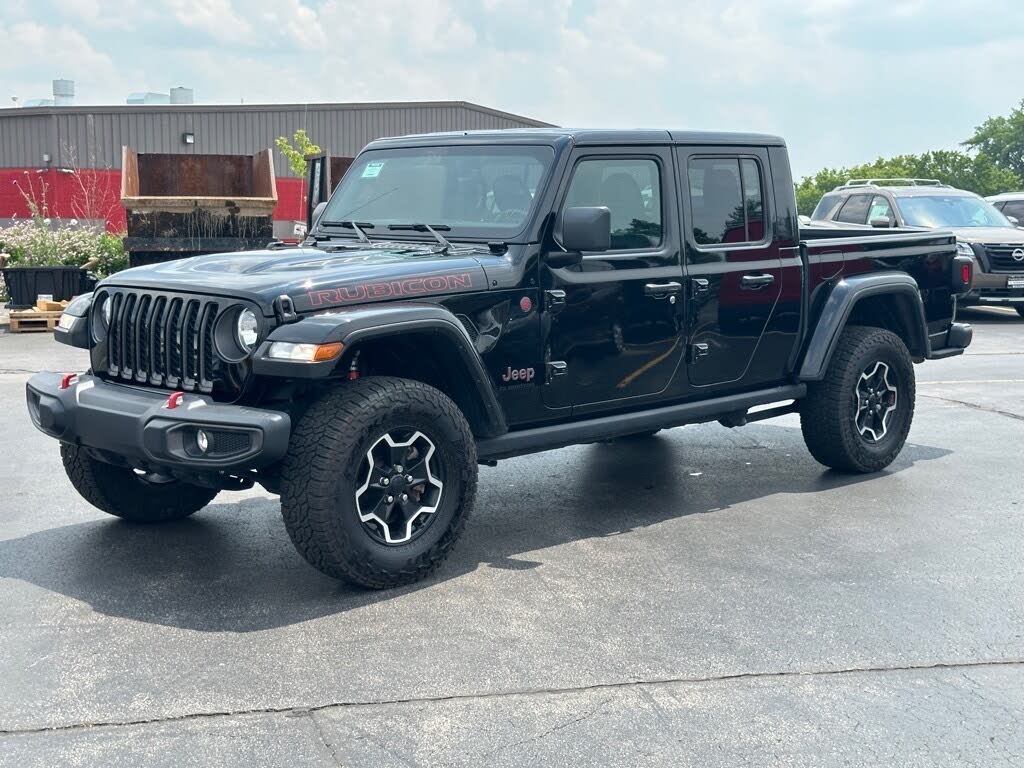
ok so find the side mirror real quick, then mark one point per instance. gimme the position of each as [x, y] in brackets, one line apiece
[317, 213]
[881, 222]
[1014, 220]
[587, 229]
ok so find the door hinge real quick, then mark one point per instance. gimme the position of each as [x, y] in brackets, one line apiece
[699, 287]
[555, 369]
[554, 301]
[698, 351]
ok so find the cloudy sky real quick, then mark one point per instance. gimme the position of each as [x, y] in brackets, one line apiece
[843, 81]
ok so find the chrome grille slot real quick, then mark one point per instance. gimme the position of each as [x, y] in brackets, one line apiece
[167, 341]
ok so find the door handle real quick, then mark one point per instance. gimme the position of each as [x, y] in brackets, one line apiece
[756, 282]
[662, 290]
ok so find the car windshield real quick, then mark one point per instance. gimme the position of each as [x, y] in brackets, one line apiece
[949, 211]
[473, 191]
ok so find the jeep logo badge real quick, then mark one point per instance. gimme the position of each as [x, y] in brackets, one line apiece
[1018, 255]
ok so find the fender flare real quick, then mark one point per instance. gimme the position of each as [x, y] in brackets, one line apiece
[356, 325]
[839, 305]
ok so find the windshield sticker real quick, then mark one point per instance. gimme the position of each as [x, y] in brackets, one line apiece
[372, 170]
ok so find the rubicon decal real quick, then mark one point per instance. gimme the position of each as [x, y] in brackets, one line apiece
[413, 286]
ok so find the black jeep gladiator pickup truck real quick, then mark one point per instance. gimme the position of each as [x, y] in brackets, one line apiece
[468, 297]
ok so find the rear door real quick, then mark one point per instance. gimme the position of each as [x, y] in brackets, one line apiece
[614, 321]
[734, 269]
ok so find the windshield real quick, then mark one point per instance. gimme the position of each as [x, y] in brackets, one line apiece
[476, 191]
[949, 211]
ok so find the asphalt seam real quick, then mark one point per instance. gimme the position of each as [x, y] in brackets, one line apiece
[975, 406]
[297, 711]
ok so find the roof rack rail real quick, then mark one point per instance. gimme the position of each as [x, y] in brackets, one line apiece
[895, 182]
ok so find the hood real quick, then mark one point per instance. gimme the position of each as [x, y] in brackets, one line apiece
[990, 235]
[316, 278]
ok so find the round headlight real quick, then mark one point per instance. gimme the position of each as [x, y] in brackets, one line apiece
[248, 329]
[105, 309]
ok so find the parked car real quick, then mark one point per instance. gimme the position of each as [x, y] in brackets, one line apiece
[470, 297]
[982, 230]
[1011, 205]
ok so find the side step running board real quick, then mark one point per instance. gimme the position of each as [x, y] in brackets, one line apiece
[604, 427]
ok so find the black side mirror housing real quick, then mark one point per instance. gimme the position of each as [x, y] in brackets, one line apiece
[587, 229]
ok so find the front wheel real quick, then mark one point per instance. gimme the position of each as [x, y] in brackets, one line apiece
[857, 419]
[378, 482]
[128, 494]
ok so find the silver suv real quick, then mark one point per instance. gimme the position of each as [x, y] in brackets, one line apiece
[982, 230]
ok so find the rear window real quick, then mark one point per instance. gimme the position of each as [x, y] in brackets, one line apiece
[825, 206]
[855, 210]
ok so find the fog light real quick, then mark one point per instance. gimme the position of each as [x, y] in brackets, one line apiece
[202, 441]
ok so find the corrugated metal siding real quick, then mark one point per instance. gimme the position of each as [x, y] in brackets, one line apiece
[93, 138]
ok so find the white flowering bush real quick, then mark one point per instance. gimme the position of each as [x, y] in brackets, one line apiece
[32, 243]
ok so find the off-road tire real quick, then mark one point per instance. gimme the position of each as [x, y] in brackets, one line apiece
[828, 413]
[121, 492]
[319, 480]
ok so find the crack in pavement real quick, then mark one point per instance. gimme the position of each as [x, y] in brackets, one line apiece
[975, 406]
[297, 711]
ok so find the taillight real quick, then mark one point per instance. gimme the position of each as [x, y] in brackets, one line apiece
[963, 274]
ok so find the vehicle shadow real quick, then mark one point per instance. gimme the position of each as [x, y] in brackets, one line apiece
[989, 315]
[231, 568]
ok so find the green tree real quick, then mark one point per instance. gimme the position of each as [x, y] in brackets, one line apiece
[974, 172]
[295, 154]
[1001, 139]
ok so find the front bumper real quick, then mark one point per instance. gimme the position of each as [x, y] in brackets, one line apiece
[995, 289]
[137, 426]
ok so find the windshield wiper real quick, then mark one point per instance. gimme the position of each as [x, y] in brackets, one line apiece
[433, 230]
[358, 226]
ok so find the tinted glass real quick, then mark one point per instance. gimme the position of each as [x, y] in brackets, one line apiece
[631, 190]
[477, 191]
[726, 197]
[1015, 208]
[949, 211]
[855, 210]
[880, 208]
[825, 206]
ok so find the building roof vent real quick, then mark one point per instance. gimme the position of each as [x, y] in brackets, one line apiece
[182, 96]
[63, 93]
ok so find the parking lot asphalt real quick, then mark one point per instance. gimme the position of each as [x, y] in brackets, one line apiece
[707, 597]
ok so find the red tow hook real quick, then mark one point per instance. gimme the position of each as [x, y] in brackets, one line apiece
[66, 379]
[174, 400]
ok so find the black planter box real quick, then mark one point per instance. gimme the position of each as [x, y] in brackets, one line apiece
[24, 284]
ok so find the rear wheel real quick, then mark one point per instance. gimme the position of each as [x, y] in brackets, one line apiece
[857, 419]
[129, 494]
[379, 480]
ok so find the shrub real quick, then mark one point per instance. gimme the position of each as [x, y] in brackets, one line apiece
[34, 244]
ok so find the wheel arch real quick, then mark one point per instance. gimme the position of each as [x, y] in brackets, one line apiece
[423, 342]
[891, 301]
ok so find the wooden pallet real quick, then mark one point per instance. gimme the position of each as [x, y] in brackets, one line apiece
[34, 320]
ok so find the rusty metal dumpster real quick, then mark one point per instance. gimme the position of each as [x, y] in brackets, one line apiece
[185, 205]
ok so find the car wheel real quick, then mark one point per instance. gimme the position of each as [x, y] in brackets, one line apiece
[129, 494]
[379, 480]
[857, 419]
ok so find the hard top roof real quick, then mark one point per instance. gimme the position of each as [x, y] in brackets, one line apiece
[585, 136]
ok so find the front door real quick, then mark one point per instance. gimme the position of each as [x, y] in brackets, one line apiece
[614, 321]
[734, 268]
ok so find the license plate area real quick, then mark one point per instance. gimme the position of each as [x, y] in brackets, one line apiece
[1015, 282]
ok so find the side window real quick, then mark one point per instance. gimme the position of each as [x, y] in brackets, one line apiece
[880, 207]
[1015, 208]
[825, 207]
[631, 190]
[727, 200]
[855, 210]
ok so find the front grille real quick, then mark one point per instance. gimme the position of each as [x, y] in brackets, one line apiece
[163, 340]
[1000, 258]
